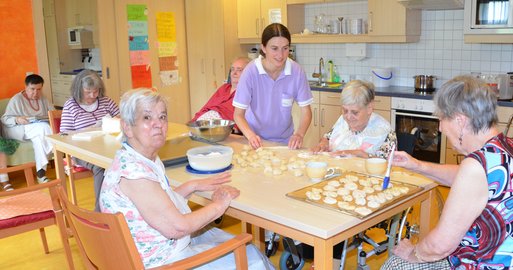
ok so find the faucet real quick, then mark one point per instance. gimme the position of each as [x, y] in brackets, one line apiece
[320, 74]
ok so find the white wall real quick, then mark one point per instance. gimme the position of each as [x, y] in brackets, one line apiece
[441, 50]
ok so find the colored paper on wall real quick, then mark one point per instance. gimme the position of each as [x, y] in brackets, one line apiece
[167, 49]
[138, 43]
[168, 63]
[137, 12]
[139, 58]
[137, 28]
[166, 27]
[169, 77]
[141, 76]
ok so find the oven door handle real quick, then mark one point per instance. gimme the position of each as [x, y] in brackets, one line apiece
[415, 115]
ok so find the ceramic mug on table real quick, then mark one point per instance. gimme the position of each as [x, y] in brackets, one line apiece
[317, 170]
[376, 166]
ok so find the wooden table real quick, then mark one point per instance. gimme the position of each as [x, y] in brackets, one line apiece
[262, 201]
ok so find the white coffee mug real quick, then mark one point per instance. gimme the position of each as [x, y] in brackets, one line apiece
[318, 170]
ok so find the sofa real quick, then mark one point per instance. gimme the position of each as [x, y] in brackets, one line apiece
[25, 152]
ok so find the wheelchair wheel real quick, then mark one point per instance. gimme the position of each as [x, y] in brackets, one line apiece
[287, 262]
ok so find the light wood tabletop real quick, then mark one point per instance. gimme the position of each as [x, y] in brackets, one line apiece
[263, 202]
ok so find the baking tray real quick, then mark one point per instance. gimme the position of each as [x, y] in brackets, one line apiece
[300, 194]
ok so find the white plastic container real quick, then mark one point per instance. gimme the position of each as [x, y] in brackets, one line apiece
[210, 158]
[381, 76]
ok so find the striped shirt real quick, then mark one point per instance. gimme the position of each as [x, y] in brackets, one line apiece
[75, 117]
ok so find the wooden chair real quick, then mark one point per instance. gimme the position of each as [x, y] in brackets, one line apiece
[16, 218]
[105, 242]
[74, 172]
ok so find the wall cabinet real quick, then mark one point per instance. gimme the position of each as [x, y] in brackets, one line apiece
[388, 22]
[81, 12]
[254, 15]
[290, 2]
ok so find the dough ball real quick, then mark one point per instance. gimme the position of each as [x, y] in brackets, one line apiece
[368, 190]
[373, 204]
[343, 191]
[334, 183]
[351, 186]
[363, 210]
[347, 198]
[360, 201]
[332, 194]
[330, 200]
[329, 188]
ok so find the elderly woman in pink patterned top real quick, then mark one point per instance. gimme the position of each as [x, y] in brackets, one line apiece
[163, 226]
[85, 108]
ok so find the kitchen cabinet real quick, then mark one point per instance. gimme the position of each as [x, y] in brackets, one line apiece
[212, 44]
[254, 15]
[325, 112]
[382, 106]
[291, 2]
[81, 12]
[61, 89]
[388, 22]
[503, 113]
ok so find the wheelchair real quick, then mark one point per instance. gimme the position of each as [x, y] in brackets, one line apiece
[398, 227]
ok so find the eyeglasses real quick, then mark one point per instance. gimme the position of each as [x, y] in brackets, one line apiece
[234, 69]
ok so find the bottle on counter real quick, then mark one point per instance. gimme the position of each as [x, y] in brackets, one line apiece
[329, 77]
[336, 75]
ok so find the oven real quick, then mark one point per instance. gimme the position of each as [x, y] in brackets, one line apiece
[416, 126]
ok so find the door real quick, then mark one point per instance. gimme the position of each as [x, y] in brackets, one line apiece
[205, 49]
[113, 31]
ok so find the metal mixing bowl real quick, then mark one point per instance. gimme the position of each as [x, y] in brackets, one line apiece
[211, 130]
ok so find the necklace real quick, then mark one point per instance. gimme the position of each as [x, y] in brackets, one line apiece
[35, 108]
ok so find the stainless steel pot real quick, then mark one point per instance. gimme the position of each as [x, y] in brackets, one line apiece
[424, 83]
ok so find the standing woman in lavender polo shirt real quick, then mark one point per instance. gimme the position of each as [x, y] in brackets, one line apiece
[267, 89]
[85, 108]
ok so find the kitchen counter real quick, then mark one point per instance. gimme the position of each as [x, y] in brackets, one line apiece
[399, 91]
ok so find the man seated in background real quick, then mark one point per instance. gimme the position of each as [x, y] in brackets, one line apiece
[219, 106]
[26, 118]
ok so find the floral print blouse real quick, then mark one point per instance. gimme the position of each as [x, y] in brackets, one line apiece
[376, 139]
[154, 248]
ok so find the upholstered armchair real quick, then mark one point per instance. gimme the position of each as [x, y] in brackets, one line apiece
[25, 152]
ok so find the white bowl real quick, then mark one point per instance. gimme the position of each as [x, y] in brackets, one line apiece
[210, 158]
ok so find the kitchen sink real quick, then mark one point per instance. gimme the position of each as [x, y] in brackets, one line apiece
[315, 84]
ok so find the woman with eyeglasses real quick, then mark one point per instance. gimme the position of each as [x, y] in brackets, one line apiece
[219, 106]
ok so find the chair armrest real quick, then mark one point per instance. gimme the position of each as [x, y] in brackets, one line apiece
[19, 191]
[18, 167]
[209, 255]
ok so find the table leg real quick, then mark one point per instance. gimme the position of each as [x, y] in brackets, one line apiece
[323, 254]
[59, 168]
[425, 215]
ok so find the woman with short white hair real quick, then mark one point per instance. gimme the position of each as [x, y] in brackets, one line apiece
[359, 131]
